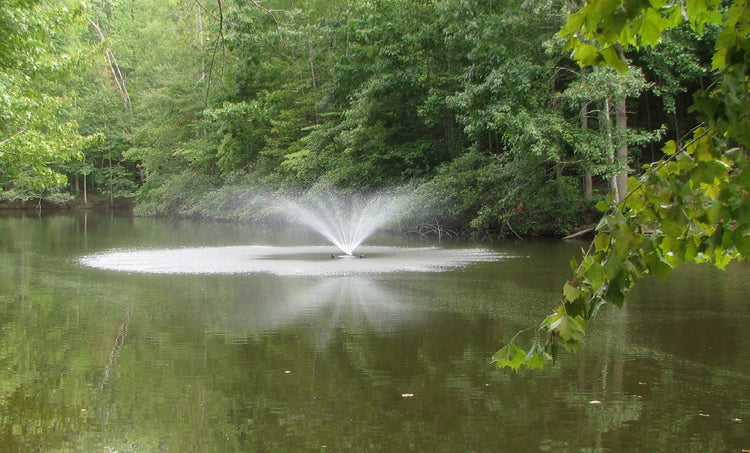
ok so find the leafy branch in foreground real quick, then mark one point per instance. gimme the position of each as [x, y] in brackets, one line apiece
[692, 206]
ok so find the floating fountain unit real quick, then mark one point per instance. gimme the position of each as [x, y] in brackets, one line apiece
[347, 256]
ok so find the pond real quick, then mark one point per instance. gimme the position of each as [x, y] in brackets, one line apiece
[146, 335]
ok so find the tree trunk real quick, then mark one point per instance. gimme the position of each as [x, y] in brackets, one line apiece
[607, 120]
[621, 120]
[588, 183]
[111, 190]
[85, 194]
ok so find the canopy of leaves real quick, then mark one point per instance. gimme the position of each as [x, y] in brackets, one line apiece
[454, 96]
[33, 134]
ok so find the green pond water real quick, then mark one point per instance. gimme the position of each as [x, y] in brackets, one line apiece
[149, 335]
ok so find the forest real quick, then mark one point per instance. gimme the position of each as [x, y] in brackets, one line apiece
[189, 107]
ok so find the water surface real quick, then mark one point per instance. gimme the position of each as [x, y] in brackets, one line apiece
[147, 335]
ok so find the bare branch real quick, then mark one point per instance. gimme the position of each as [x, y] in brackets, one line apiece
[219, 41]
[115, 69]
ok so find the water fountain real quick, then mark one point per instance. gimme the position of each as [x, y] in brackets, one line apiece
[344, 220]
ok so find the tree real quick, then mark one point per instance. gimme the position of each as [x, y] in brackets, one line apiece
[34, 136]
[691, 206]
[607, 91]
[143, 88]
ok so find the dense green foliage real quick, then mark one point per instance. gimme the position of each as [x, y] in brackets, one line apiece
[691, 206]
[476, 104]
[34, 133]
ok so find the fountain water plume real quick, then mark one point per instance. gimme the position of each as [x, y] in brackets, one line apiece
[346, 220]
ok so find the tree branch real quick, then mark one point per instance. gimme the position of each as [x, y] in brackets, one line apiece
[115, 69]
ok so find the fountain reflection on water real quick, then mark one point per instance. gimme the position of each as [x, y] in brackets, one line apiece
[325, 306]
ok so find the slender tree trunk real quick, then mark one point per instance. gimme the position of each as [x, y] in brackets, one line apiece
[588, 183]
[85, 193]
[111, 195]
[621, 120]
[311, 60]
[199, 41]
[607, 120]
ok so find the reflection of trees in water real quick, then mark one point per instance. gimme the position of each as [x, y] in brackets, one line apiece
[119, 340]
[199, 363]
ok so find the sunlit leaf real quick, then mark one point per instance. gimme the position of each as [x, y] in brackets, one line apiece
[669, 148]
[573, 24]
[570, 293]
[510, 356]
[587, 55]
[651, 27]
[614, 58]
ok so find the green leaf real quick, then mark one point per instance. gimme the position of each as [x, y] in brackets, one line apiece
[669, 148]
[571, 330]
[601, 242]
[741, 240]
[617, 290]
[573, 24]
[602, 206]
[623, 241]
[593, 272]
[537, 357]
[586, 54]
[570, 293]
[614, 58]
[651, 27]
[510, 356]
